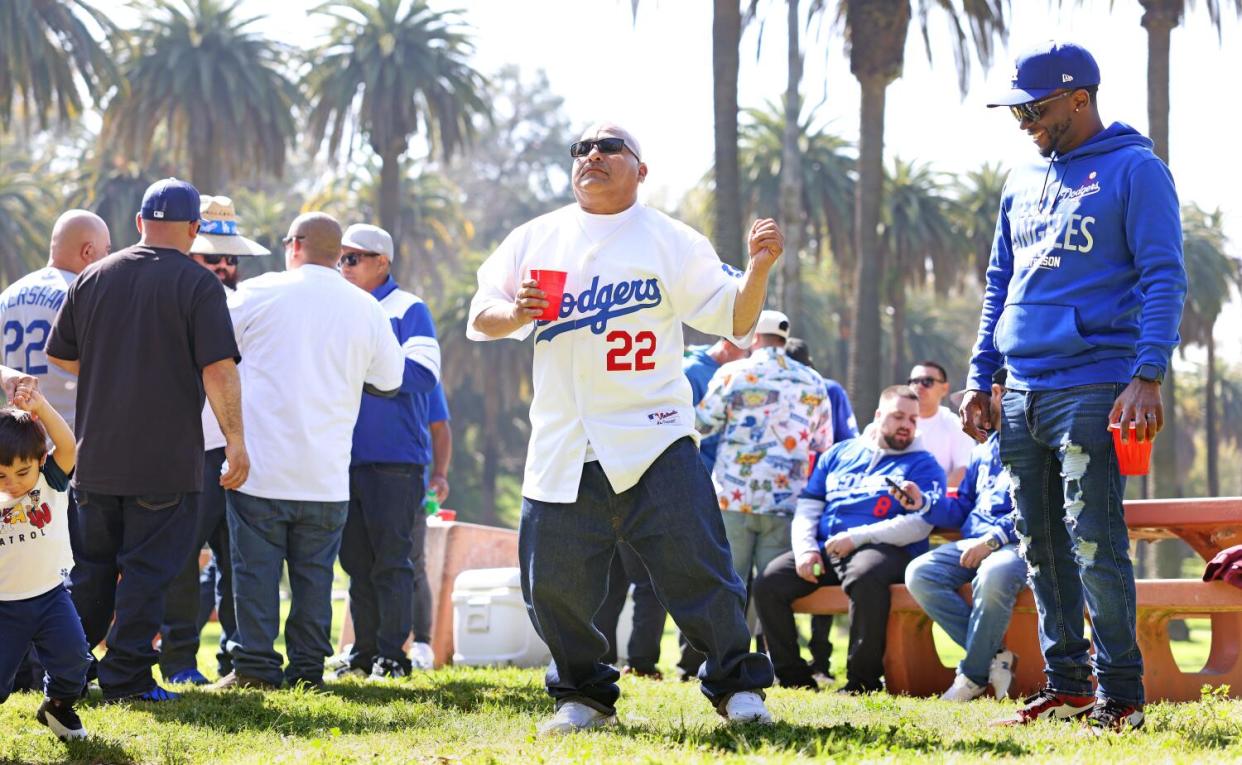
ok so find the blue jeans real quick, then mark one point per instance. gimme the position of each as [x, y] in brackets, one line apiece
[385, 501]
[182, 623]
[145, 539]
[643, 649]
[264, 533]
[50, 623]
[934, 578]
[1072, 531]
[671, 521]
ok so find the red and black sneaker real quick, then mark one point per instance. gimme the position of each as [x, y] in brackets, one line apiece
[1115, 716]
[1050, 705]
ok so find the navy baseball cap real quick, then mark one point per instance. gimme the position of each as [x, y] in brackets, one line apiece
[1047, 68]
[170, 200]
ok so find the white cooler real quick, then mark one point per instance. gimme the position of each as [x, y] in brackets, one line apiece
[490, 625]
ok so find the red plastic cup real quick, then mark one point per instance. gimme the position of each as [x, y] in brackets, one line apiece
[553, 285]
[447, 515]
[1133, 456]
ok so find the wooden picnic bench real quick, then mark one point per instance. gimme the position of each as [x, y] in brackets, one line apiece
[912, 666]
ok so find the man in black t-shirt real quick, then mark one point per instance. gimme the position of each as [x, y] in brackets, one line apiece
[146, 330]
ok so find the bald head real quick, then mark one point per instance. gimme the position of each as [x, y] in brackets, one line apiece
[79, 238]
[316, 239]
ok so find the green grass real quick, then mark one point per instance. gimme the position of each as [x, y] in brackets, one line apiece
[489, 715]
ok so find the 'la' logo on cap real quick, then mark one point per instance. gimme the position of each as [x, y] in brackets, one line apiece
[1067, 78]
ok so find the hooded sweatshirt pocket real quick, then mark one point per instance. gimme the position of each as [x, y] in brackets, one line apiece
[1033, 330]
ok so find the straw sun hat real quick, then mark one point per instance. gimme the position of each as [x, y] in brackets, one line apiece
[217, 233]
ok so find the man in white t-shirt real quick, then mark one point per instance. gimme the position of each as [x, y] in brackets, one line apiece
[612, 457]
[312, 343]
[940, 429]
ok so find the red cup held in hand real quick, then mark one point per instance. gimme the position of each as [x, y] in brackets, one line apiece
[553, 285]
[1133, 456]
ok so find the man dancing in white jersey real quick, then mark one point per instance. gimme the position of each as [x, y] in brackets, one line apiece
[613, 457]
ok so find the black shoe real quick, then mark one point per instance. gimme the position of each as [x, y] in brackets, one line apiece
[1115, 716]
[58, 715]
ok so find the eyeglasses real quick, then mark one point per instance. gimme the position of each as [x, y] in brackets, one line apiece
[214, 260]
[1033, 110]
[926, 382]
[288, 240]
[580, 149]
[354, 258]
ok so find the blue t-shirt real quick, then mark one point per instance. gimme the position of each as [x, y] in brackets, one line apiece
[699, 367]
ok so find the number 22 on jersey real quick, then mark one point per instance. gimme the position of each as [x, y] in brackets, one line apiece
[628, 352]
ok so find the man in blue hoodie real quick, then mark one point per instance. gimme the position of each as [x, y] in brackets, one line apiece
[1084, 296]
[392, 446]
[834, 542]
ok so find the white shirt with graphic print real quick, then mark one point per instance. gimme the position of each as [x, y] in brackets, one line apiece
[35, 556]
[608, 370]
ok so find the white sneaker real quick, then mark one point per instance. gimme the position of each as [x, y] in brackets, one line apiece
[747, 707]
[340, 661]
[422, 657]
[1000, 674]
[574, 716]
[963, 689]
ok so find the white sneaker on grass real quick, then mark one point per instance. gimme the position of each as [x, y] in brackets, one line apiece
[574, 716]
[1000, 674]
[422, 657]
[963, 689]
[747, 707]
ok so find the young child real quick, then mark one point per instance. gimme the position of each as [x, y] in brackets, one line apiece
[35, 558]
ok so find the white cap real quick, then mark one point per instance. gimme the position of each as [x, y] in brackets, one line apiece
[773, 323]
[368, 238]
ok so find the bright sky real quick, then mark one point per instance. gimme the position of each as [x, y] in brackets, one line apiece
[655, 77]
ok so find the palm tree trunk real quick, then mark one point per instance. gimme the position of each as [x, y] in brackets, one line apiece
[727, 203]
[389, 201]
[205, 171]
[898, 366]
[791, 178]
[1159, 19]
[1209, 417]
[864, 372]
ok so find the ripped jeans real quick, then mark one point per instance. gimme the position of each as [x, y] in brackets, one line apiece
[1072, 533]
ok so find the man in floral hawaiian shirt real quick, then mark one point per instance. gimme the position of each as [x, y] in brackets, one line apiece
[771, 412]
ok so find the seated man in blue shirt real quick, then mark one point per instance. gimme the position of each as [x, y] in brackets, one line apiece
[986, 555]
[840, 538]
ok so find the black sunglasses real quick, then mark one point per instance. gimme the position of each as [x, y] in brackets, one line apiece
[579, 149]
[214, 260]
[926, 382]
[353, 258]
[1033, 110]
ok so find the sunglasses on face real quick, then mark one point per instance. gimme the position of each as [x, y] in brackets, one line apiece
[288, 240]
[926, 382]
[1033, 110]
[580, 149]
[214, 260]
[354, 258]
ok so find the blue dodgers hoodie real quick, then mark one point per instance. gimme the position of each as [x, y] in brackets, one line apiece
[1086, 280]
[983, 505]
[849, 480]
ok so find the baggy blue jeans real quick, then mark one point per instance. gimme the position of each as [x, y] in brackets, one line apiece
[1072, 529]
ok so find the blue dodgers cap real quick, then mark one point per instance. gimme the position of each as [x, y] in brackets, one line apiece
[170, 200]
[1047, 68]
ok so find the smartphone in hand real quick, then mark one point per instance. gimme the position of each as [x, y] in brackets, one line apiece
[901, 493]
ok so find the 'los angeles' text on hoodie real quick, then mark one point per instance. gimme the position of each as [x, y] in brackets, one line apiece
[1086, 279]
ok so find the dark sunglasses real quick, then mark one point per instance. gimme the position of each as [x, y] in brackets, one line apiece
[354, 258]
[1033, 110]
[214, 260]
[580, 149]
[926, 382]
[288, 240]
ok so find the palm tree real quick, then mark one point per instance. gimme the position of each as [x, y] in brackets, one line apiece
[28, 199]
[918, 243]
[978, 194]
[1211, 274]
[47, 48]
[875, 31]
[790, 294]
[216, 90]
[388, 70]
